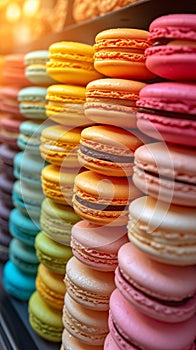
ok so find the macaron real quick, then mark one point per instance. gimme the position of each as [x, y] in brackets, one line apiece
[4, 246]
[23, 256]
[166, 172]
[45, 320]
[97, 247]
[27, 169]
[59, 146]
[65, 105]
[103, 199]
[6, 185]
[72, 63]
[88, 326]
[127, 324]
[4, 217]
[110, 344]
[166, 233]
[69, 341]
[108, 150]
[58, 183]
[113, 101]
[57, 220]
[10, 127]
[7, 155]
[51, 254]
[32, 102]
[9, 102]
[17, 284]
[172, 54]
[119, 53]
[51, 287]
[27, 199]
[161, 291]
[88, 287]
[23, 228]
[166, 111]
[14, 70]
[29, 135]
[35, 68]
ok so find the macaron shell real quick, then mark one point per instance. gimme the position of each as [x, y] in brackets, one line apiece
[90, 326]
[153, 287]
[115, 53]
[97, 246]
[173, 110]
[113, 101]
[23, 256]
[57, 220]
[155, 334]
[44, 320]
[88, 287]
[90, 187]
[16, 283]
[178, 55]
[51, 287]
[62, 67]
[52, 254]
[110, 343]
[58, 183]
[59, 145]
[108, 150]
[69, 341]
[164, 232]
[166, 172]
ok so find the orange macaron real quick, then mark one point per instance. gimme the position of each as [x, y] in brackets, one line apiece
[103, 199]
[113, 101]
[119, 53]
[108, 150]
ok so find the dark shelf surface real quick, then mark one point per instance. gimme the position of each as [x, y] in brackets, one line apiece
[136, 15]
[15, 330]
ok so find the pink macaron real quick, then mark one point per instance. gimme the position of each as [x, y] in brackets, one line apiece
[173, 51]
[132, 330]
[166, 111]
[166, 172]
[97, 246]
[164, 292]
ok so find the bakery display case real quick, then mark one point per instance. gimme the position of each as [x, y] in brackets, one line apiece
[15, 330]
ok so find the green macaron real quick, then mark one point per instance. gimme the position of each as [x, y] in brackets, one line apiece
[45, 320]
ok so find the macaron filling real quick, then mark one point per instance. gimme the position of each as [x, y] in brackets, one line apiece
[98, 206]
[168, 114]
[105, 156]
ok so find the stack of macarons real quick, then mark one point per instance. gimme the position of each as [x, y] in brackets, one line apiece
[154, 303]
[102, 193]
[59, 144]
[12, 73]
[21, 268]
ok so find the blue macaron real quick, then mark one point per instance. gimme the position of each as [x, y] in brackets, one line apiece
[23, 228]
[27, 200]
[30, 133]
[23, 256]
[28, 168]
[17, 283]
[32, 101]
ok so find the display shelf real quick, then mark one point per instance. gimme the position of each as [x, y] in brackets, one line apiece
[15, 330]
[137, 15]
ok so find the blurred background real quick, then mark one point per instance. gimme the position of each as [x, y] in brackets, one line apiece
[22, 21]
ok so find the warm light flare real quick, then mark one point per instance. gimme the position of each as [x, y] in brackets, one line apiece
[13, 12]
[30, 7]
